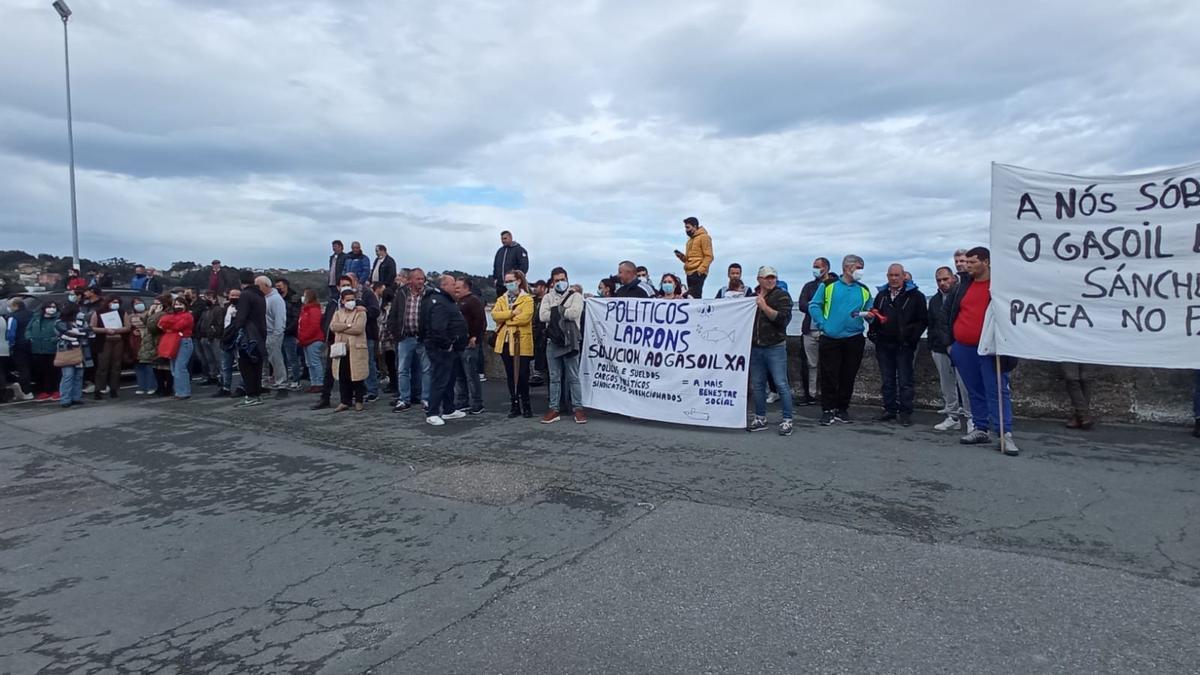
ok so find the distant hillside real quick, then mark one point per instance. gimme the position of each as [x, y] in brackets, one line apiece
[21, 271]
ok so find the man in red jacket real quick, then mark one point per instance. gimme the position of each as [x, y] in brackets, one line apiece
[965, 315]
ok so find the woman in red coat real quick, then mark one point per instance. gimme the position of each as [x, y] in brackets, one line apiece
[176, 345]
[311, 336]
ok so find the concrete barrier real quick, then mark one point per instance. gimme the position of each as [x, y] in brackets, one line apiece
[1119, 394]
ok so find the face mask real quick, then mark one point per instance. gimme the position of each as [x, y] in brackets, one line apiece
[139, 307]
[512, 286]
[817, 273]
[643, 279]
[71, 297]
[857, 275]
[51, 311]
[349, 304]
[668, 287]
[345, 288]
[560, 286]
[115, 306]
[178, 308]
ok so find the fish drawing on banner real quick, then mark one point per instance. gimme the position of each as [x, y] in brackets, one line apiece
[714, 335]
[696, 414]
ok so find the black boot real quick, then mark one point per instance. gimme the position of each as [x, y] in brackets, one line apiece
[526, 409]
[515, 409]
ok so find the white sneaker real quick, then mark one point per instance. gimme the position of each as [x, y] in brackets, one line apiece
[435, 420]
[970, 425]
[946, 424]
[27, 397]
[139, 392]
[89, 388]
[1010, 446]
[456, 415]
[482, 377]
[772, 397]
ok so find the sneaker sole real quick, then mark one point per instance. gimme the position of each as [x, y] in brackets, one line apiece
[550, 421]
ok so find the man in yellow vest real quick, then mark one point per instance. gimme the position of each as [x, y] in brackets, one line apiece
[838, 310]
[698, 257]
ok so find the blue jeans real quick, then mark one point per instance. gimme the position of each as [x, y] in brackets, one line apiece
[979, 375]
[404, 352]
[291, 358]
[316, 367]
[896, 363]
[558, 366]
[772, 360]
[227, 358]
[372, 369]
[468, 390]
[70, 386]
[145, 377]
[179, 368]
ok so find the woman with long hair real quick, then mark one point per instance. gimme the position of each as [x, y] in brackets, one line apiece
[178, 325]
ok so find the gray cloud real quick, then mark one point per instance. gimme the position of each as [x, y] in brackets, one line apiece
[792, 129]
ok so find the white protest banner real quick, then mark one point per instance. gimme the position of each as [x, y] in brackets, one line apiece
[1097, 269]
[682, 361]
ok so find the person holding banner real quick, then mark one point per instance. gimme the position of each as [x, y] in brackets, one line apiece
[513, 314]
[768, 350]
[965, 316]
[838, 310]
[561, 310]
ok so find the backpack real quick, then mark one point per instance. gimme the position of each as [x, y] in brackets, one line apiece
[561, 331]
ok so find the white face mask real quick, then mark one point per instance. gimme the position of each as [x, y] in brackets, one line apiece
[115, 306]
[817, 272]
[345, 288]
[71, 297]
[139, 307]
[561, 286]
[857, 275]
[349, 304]
[51, 311]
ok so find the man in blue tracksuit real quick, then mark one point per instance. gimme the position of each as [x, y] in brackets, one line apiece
[838, 310]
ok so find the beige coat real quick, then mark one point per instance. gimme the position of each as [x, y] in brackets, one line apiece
[350, 327]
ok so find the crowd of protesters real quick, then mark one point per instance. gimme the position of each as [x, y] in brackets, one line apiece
[388, 330]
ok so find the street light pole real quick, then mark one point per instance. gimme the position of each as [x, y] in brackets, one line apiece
[65, 13]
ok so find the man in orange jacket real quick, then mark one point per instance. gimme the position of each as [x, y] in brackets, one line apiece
[698, 257]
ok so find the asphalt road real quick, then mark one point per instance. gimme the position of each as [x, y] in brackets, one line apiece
[161, 536]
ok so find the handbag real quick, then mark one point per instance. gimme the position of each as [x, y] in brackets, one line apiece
[168, 345]
[68, 358]
[338, 350]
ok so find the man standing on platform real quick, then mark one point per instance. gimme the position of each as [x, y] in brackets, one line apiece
[697, 258]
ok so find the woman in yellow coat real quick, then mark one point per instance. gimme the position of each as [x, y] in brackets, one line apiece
[513, 313]
[348, 351]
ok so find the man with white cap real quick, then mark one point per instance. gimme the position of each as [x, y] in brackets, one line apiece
[768, 350]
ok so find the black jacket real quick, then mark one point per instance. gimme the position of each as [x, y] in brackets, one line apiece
[337, 262]
[907, 317]
[252, 318]
[198, 309]
[21, 318]
[400, 309]
[770, 332]
[939, 338]
[509, 258]
[806, 295]
[371, 303]
[442, 324]
[633, 290]
[292, 302]
[385, 269]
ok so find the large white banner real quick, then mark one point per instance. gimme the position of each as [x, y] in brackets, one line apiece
[1097, 269]
[683, 361]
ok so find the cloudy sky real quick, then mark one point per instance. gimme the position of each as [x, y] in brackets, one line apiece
[256, 131]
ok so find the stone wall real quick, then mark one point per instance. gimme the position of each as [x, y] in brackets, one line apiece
[1119, 394]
